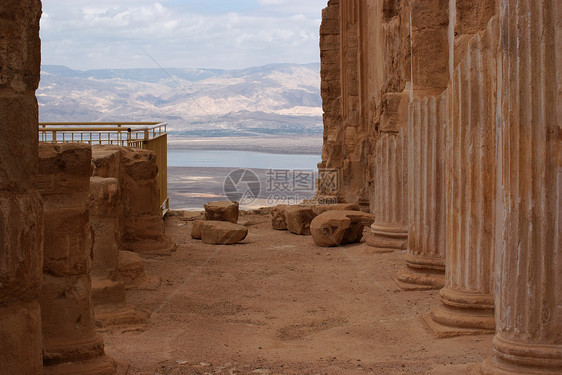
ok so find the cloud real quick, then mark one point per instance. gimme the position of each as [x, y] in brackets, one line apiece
[195, 33]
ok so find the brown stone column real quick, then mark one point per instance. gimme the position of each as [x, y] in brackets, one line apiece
[330, 72]
[21, 215]
[529, 245]
[143, 227]
[389, 232]
[429, 60]
[467, 299]
[70, 343]
[352, 173]
[425, 259]
[108, 293]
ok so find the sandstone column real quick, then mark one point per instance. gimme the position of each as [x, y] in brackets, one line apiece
[429, 60]
[467, 299]
[143, 227]
[108, 294]
[70, 344]
[21, 216]
[330, 72]
[425, 259]
[389, 232]
[353, 169]
[529, 245]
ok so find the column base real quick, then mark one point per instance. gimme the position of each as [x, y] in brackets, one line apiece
[151, 247]
[513, 358]
[421, 274]
[118, 315]
[387, 238]
[444, 324]
[87, 357]
[463, 313]
[97, 366]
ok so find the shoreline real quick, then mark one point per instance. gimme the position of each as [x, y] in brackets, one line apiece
[191, 187]
[305, 145]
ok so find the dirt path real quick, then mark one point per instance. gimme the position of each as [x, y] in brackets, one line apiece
[278, 304]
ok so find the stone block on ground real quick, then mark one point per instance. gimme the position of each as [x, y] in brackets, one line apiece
[278, 221]
[299, 218]
[196, 229]
[222, 232]
[222, 211]
[333, 228]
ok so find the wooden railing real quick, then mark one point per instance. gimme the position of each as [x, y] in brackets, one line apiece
[145, 135]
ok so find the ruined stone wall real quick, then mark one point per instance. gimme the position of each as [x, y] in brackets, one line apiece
[141, 224]
[356, 78]
[21, 212]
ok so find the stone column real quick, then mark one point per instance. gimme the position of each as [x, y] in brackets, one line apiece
[330, 72]
[143, 228]
[21, 213]
[529, 244]
[389, 232]
[467, 299]
[352, 174]
[70, 343]
[425, 259]
[108, 293]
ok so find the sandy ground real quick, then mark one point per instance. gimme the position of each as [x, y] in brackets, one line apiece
[278, 304]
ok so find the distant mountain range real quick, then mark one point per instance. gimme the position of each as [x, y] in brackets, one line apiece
[278, 99]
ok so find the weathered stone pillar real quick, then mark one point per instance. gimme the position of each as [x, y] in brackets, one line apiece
[21, 214]
[467, 299]
[330, 72]
[354, 165]
[108, 293]
[70, 343]
[389, 232]
[105, 207]
[143, 227]
[429, 60]
[425, 259]
[529, 244]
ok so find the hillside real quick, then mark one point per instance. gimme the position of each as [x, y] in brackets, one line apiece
[267, 100]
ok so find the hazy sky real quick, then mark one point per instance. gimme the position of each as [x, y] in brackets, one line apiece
[94, 34]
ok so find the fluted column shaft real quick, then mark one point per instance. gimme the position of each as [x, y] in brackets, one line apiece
[467, 298]
[425, 259]
[390, 208]
[529, 248]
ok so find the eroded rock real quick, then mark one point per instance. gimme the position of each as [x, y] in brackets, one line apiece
[337, 227]
[222, 211]
[298, 219]
[278, 221]
[222, 232]
[196, 229]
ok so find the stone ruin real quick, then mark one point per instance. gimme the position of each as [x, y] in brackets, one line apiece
[442, 118]
[54, 215]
